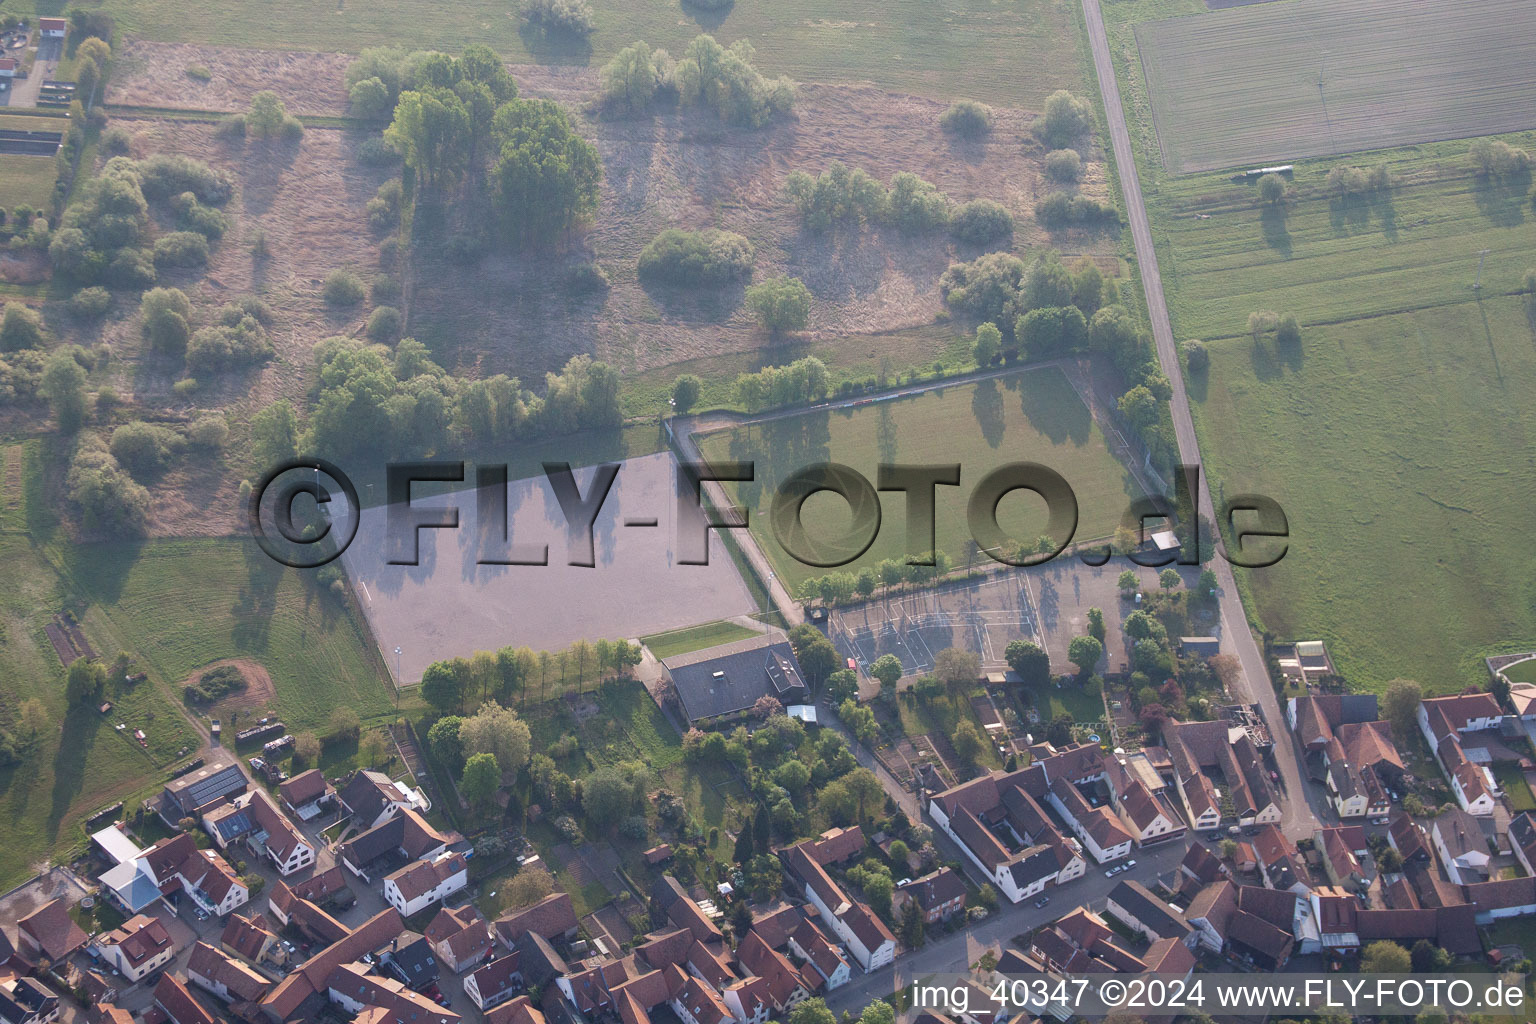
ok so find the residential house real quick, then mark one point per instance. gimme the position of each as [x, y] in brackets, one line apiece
[27, 1001]
[401, 835]
[250, 939]
[422, 883]
[1407, 838]
[307, 795]
[460, 937]
[370, 798]
[1147, 815]
[552, 918]
[1340, 861]
[354, 988]
[224, 976]
[1194, 747]
[1210, 912]
[863, 934]
[218, 779]
[173, 999]
[1444, 721]
[683, 912]
[52, 28]
[1459, 841]
[1522, 834]
[49, 933]
[137, 946]
[784, 986]
[939, 895]
[1147, 915]
[311, 978]
[1279, 863]
[1097, 827]
[494, 983]
[811, 944]
[255, 819]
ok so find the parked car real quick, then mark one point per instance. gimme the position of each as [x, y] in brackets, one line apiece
[1042, 901]
[1129, 864]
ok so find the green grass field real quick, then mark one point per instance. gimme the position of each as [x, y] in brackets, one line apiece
[81, 762]
[181, 604]
[1271, 83]
[25, 180]
[1030, 416]
[1400, 448]
[696, 638]
[1521, 672]
[1512, 781]
[1012, 53]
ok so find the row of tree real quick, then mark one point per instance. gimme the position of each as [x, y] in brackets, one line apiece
[721, 79]
[451, 685]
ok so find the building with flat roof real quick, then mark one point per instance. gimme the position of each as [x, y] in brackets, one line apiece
[729, 679]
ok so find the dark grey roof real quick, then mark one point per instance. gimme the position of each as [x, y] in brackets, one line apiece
[1149, 910]
[1040, 864]
[414, 963]
[735, 678]
[365, 794]
[1355, 708]
[206, 784]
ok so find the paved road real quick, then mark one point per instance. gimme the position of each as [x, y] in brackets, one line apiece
[955, 953]
[1300, 816]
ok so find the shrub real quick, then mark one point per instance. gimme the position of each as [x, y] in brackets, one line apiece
[914, 205]
[164, 175]
[181, 249]
[144, 449]
[108, 498]
[1061, 210]
[780, 303]
[163, 316]
[268, 118]
[20, 327]
[342, 288]
[208, 431]
[377, 151]
[90, 303]
[1063, 165]
[981, 221]
[967, 119]
[985, 288]
[586, 278]
[198, 73]
[214, 685]
[724, 79]
[115, 140]
[708, 257]
[1196, 355]
[194, 216]
[231, 127]
[384, 208]
[383, 289]
[1065, 118]
[573, 16]
[1498, 159]
[632, 78]
[237, 340]
[132, 268]
[231, 313]
[384, 324]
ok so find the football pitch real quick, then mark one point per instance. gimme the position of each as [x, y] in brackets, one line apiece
[1272, 83]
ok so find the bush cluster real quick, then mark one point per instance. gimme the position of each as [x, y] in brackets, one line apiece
[214, 685]
[967, 119]
[1062, 210]
[709, 257]
[573, 16]
[724, 79]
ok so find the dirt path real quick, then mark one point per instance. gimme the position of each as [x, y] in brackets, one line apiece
[1300, 814]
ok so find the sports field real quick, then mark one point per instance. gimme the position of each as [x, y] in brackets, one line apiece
[1018, 53]
[1272, 83]
[1034, 415]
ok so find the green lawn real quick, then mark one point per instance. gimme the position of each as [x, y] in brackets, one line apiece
[1002, 53]
[1033, 415]
[1400, 448]
[1521, 671]
[1512, 781]
[696, 638]
[81, 762]
[25, 180]
[185, 603]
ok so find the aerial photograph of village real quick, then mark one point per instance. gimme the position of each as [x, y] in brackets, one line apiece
[747, 511]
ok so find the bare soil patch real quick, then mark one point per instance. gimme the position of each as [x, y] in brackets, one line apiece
[511, 313]
[146, 74]
[258, 693]
[23, 268]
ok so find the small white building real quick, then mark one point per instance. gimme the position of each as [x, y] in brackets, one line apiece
[417, 886]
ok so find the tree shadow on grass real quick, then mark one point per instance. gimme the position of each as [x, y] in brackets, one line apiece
[987, 407]
[1272, 359]
[1276, 235]
[709, 16]
[1502, 199]
[554, 46]
[80, 728]
[1349, 214]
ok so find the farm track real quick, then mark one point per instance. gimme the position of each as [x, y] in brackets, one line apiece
[1300, 818]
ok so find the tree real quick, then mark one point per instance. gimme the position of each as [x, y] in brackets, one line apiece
[1228, 849]
[911, 925]
[528, 886]
[21, 327]
[85, 682]
[63, 384]
[1413, 806]
[1196, 356]
[1096, 624]
[957, 668]
[988, 344]
[267, 118]
[744, 850]
[1400, 703]
[1385, 957]
[1272, 189]
[1084, 652]
[447, 746]
[967, 119]
[482, 778]
[780, 304]
[1063, 165]
[842, 685]
[164, 317]
[431, 129]
[631, 77]
[306, 748]
[610, 793]
[373, 748]
[1029, 660]
[1128, 582]
[1428, 958]
[1051, 330]
[275, 434]
[968, 742]
[497, 730]
[887, 669]
[1059, 732]
[441, 687]
[1065, 118]
[1139, 407]
[818, 658]
[1169, 579]
[546, 176]
[812, 1011]
[685, 392]
[344, 725]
